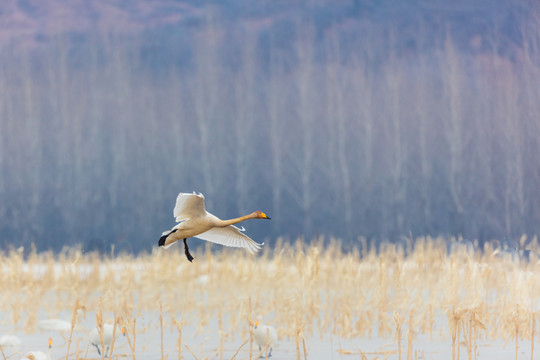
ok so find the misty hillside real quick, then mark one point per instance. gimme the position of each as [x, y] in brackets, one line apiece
[27, 24]
[350, 119]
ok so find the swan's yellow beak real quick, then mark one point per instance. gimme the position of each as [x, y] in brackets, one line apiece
[50, 342]
[264, 216]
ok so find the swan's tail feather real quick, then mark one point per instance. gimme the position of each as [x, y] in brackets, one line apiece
[163, 238]
[168, 246]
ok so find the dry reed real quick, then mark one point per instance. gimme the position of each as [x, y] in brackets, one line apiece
[533, 324]
[250, 327]
[75, 309]
[238, 350]
[397, 323]
[303, 289]
[192, 353]
[161, 329]
[132, 324]
[178, 325]
[111, 351]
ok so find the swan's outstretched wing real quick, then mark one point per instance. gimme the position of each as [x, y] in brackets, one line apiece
[230, 236]
[189, 206]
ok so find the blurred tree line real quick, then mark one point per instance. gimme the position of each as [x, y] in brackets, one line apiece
[353, 126]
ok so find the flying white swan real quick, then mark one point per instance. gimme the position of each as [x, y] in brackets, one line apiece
[265, 335]
[195, 221]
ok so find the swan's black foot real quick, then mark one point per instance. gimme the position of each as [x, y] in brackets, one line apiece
[97, 348]
[99, 351]
[186, 250]
[263, 356]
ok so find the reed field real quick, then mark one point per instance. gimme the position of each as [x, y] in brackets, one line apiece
[385, 303]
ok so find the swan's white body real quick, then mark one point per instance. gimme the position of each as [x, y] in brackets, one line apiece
[195, 221]
[55, 325]
[39, 355]
[10, 341]
[59, 324]
[36, 355]
[263, 335]
[95, 339]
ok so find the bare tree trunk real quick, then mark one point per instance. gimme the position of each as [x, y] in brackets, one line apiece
[509, 99]
[246, 115]
[4, 149]
[531, 155]
[454, 130]
[338, 118]
[305, 73]
[343, 164]
[424, 159]
[124, 117]
[59, 185]
[422, 111]
[394, 82]
[206, 101]
[32, 138]
[277, 134]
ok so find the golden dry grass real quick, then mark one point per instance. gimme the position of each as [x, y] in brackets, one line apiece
[307, 290]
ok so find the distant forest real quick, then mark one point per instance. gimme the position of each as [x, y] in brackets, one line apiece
[343, 119]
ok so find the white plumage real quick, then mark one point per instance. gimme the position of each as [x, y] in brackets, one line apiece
[10, 341]
[55, 325]
[59, 324]
[39, 355]
[95, 339]
[265, 335]
[188, 205]
[230, 236]
[36, 355]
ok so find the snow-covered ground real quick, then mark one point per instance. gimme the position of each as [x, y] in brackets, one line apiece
[204, 343]
[323, 304]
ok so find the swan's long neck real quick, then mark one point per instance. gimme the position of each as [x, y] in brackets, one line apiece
[223, 223]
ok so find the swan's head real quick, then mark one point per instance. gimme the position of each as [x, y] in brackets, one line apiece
[261, 215]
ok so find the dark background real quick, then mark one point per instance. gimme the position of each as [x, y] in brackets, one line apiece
[377, 119]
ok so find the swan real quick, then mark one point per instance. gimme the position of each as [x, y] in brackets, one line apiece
[95, 339]
[59, 324]
[195, 221]
[265, 335]
[55, 324]
[10, 341]
[39, 355]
